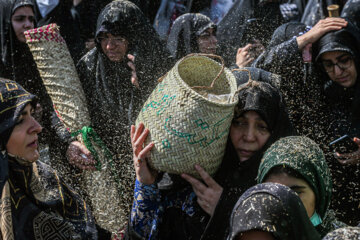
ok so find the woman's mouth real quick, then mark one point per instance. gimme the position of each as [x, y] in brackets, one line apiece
[342, 79]
[33, 144]
[246, 153]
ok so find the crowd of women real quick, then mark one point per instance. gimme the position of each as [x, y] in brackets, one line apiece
[298, 90]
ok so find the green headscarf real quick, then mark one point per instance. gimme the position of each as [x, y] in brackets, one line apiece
[304, 156]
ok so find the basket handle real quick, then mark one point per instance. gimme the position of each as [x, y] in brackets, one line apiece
[210, 56]
[241, 70]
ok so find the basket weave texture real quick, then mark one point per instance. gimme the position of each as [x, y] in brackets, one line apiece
[58, 72]
[109, 207]
[186, 127]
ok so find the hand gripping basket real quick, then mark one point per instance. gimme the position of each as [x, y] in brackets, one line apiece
[189, 115]
[107, 195]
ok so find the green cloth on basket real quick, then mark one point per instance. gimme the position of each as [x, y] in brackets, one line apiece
[89, 136]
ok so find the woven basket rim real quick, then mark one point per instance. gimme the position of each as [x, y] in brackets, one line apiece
[227, 72]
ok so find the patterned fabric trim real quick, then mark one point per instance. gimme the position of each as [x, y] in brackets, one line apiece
[6, 226]
[48, 33]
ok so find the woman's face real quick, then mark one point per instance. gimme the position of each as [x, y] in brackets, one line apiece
[114, 47]
[23, 142]
[255, 235]
[248, 134]
[22, 20]
[300, 186]
[207, 41]
[340, 67]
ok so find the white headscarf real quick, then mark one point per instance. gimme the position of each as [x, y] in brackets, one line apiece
[46, 6]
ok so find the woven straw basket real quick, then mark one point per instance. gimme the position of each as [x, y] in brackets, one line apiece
[57, 70]
[185, 126]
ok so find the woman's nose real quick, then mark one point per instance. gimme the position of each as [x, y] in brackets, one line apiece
[337, 70]
[36, 127]
[110, 45]
[214, 39]
[250, 135]
[28, 24]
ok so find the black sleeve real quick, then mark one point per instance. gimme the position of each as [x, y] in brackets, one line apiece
[218, 225]
[280, 58]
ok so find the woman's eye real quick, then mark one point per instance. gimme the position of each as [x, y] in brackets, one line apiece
[18, 122]
[345, 60]
[205, 36]
[239, 123]
[327, 65]
[263, 128]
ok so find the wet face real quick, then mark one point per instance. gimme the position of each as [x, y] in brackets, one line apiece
[114, 47]
[248, 134]
[300, 186]
[340, 67]
[207, 41]
[255, 235]
[22, 20]
[23, 141]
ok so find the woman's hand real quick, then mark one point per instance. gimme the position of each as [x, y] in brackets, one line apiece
[143, 173]
[243, 57]
[207, 195]
[131, 64]
[349, 158]
[79, 156]
[321, 28]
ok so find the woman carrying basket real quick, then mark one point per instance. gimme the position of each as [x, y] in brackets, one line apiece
[35, 202]
[17, 63]
[201, 209]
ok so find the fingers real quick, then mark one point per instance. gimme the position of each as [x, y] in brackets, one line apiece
[140, 141]
[137, 133]
[330, 24]
[321, 27]
[239, 50]
[132, 66]
[348, 158]
[335, 19]
[206, 177]
[357, 141]
[81, 163]
[84, 150]
[146, 151]
[248, 61]
[204, 205]
[198, 187]
[134, 79]
[79, 151]
[131, 57]
[247, 47]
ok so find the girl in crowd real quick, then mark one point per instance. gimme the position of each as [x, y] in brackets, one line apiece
[324, 104]
[202, 209]
[338, 55]
[300, 164]
[196, 33]
[35, 202]
[192, 33]
[270, 211]
[17, 63]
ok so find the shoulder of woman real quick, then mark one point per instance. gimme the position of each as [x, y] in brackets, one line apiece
[88, 61]
[330, 223]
